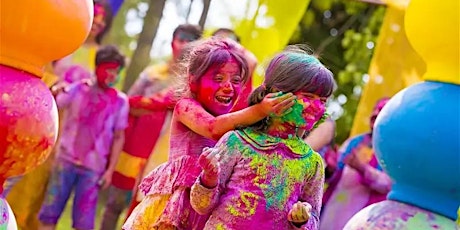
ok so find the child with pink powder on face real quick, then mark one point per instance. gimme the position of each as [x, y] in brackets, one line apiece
[265, 176]
[216, 71]
[94, 118]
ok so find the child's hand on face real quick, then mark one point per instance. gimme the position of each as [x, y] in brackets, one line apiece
[208, 161]
[300, 212]
[277, 103]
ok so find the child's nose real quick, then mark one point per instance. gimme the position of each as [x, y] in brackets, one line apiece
[227, 87]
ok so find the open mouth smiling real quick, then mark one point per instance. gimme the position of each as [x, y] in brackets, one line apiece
[224, 99]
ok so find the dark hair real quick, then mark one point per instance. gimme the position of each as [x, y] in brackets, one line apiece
[194, 32]
[292, 70]
[107, 19]
[109, 53]
[203, 54]
[233, 36]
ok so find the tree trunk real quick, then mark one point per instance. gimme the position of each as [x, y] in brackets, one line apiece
[141, 56]
[189, 10]
[204, 13]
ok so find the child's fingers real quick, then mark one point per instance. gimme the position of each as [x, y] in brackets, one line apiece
[214, 153]
[297, 214]
[284, 100]
[283, 107]
[206, 151]
[304, 213]
[285, 111]
[274, 95]
[282, 104]
[290, 216]
[287, 96]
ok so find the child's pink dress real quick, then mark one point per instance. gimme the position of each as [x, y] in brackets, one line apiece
[167, 187]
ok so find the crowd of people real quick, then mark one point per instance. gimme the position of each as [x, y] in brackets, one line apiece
[192, 145]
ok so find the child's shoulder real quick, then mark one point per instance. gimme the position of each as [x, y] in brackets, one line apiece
[122, 98]
[121, 95]
[185, 103]
[316, 157]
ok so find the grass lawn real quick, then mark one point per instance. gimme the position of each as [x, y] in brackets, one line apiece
[65, 223]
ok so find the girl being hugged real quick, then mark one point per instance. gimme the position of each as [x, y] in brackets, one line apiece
[216, 71]
[265, 176]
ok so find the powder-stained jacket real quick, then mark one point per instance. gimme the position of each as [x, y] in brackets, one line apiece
[261, 178]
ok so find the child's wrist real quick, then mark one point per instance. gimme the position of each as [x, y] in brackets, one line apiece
[261, 110]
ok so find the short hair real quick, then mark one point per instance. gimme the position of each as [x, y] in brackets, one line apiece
[110, 53]
[192, 32]
[233, 36]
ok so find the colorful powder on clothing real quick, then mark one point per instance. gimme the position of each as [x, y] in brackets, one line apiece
[276, 188]
[220, 226]
[247, 202]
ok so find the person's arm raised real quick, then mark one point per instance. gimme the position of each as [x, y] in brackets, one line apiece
[192, 114]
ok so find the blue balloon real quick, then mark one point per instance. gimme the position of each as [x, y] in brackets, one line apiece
[417, 141]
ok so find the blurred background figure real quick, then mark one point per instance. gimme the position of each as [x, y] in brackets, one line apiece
[358, 181]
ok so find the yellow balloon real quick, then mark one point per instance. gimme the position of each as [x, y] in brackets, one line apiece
[433, 30]
[36, 32]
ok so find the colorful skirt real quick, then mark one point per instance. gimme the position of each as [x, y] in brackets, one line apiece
[167, 202]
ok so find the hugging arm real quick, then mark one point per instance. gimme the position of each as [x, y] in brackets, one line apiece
[192, 114]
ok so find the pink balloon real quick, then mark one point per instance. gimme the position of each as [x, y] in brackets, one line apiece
[28, 122]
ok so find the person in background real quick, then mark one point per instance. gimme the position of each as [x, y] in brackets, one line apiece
[358, 181]
[95, 115]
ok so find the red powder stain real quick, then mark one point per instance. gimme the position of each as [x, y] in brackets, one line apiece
[3, 143]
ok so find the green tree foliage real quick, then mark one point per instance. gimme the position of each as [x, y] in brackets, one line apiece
[118, 34]
[342, 34]
[141, 56]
